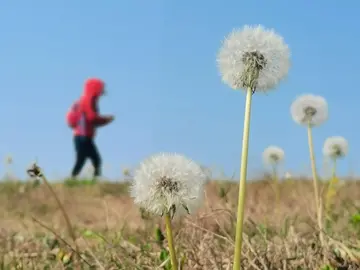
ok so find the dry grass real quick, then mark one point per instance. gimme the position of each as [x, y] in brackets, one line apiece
[113, 234]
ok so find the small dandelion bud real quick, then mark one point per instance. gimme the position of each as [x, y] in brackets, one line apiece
[335, 147]
[253, 57]
[34, 171]
[309, 110]
[167, 183]
[273, 155]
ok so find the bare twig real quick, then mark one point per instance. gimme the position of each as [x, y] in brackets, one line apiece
[35, 171]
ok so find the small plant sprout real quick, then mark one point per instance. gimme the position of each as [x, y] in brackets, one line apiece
[334, 148]
[310, 111]
[272, 156]
[166, 184]
[254, 59]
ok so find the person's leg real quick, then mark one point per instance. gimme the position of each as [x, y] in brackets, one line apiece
[95, 158]
[81, 155]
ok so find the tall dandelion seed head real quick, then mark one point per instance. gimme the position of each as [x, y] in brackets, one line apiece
[166, 180]
[335, 147]
[273, 155]
[309, 109]
[253, 57]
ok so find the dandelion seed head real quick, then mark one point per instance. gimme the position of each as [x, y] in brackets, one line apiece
[8, 160]
[253, 57]
[126, 172]
[288, 175]
[273, 155]
[309, 109]
[335, 147]
[165, 180]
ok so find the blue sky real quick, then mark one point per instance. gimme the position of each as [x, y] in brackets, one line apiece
[158, 59]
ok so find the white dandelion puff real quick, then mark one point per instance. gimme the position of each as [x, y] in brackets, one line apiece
[288, 175]
[273, 155]
[166, 180]
[253, 57]
[335, 147]
[309, 110]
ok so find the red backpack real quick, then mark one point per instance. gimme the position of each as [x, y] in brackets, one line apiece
[73, 115]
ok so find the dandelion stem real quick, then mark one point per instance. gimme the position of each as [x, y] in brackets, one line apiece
[331, 190]
[315, 182]
[170, 241]
[242, 183]
[276, 185]
[334, 168]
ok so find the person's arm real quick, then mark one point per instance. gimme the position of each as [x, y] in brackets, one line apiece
[94, 117]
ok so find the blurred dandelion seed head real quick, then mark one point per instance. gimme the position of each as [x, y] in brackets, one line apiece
[309, 109]
[335, 147]
[166, 180]
[126, 172]
[273, 155]
[8, 160]
[253, 57]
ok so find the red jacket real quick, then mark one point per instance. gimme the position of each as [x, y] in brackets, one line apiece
[88, 104]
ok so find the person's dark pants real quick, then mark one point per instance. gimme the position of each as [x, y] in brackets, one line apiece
[85, 148]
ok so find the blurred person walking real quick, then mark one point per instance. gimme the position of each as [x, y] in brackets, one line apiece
[84, 118]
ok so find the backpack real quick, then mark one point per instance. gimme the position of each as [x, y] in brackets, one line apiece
[73, 115]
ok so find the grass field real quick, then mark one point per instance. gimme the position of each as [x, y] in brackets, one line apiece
[112, 233]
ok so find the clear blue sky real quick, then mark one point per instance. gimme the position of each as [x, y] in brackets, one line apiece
[158, 59]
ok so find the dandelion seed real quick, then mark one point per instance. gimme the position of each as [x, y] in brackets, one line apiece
[309, 110]
[273, 155]
[167, 180]
[253, 57]
[335, 147]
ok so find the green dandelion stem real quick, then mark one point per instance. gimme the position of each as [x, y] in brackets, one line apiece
[331, 190]
[315, 182]
[276, 184]
[242, 183]
[170, 239]
[334, 168]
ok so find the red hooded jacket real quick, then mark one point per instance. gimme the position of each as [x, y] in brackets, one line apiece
[88, 104]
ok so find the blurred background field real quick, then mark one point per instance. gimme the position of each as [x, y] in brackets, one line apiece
[112, 233]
